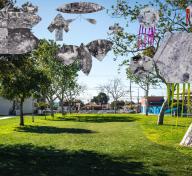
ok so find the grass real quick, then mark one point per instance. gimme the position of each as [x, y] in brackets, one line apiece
[94, 145]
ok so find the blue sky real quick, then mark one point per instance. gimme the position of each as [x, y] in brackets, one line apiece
[83, 32]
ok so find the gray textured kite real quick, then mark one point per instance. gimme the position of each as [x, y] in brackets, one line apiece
[58, 25]
[68, 54]
[15, 29]
[141, 66]
[81, 8]
[174, 58]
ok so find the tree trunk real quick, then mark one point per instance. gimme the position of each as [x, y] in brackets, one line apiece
[52, 110]
[187, 140]
[12, 111]
[163, 109]
[45, 116]
[70, 105]
[70, 101]
[21, 114]
[162, 113]
[61, 98]
[115, 106]
[62, 109]
[33, 118]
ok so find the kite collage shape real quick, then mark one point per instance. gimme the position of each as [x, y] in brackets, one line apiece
[59, 23]
[174, 61]
[15, 29]
[68, 54]
[80, 8]
[174, 58]
[141, 66]
[16, 36]
[85, 59]
[148, 19]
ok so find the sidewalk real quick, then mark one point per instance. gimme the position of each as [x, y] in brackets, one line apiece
[3, 118]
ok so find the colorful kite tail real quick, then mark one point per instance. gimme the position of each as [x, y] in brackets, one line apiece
[149, 34]
[142, 33]
[139, 38]
[154, 31]
[139, 43]
[145, 38]
[152, 37]
[189, 99]
[188, 18]
[183, 100]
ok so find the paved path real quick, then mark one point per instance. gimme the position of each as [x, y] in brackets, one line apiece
[3, 118]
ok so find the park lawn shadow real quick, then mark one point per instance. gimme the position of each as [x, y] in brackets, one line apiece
[98, 118]
[29, 160]
[52, 130]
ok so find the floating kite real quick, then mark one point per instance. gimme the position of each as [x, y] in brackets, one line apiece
[174, 58]
[189, 15]
[174, 61]
[15, 29]
[115, 29]
[81, 8]
[85, 59]
[68, 54]
[141, 66]
[58, 25]
[148, 19]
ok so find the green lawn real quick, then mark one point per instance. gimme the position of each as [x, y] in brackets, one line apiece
[94, 145]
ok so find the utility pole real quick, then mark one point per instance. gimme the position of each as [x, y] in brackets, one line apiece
[130, 92]
[138, 96]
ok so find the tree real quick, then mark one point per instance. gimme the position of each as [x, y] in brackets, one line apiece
[41, 105]
[145, 83]
[60, 75]
[67, 83]
[101, 98]
[172, 19]
[45, 56]
[119, 104]
[5, 2]
[115, 89]
[72, 92]
[22, 80]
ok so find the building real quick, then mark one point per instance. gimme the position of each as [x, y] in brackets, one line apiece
[154, 104]
[6, 107]
[94, 106]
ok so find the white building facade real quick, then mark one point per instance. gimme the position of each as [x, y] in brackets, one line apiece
[6, 106]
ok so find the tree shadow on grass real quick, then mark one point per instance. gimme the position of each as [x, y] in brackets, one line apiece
[98, 118]
[29, 160]
[52, 130]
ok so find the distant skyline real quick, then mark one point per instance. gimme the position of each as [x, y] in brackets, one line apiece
[83, 32]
